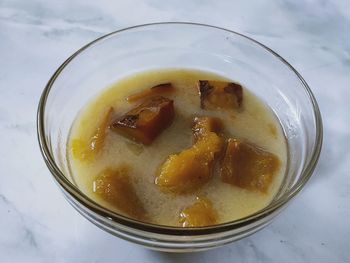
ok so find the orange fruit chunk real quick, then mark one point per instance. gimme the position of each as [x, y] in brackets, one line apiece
[220, 94]
[200, 214]
[145, 122]
[248, 166]
[116, 188]
[190, 169]
[87, 151]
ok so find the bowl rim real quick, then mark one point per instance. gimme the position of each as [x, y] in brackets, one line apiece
[88, 203]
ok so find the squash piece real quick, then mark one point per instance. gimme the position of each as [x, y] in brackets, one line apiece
[87, 151]
[248, 166]
[116, 188]
[156, 90]
[145, 122]
[220, 95]
[204, 125]
[190, 169]
[200, 214]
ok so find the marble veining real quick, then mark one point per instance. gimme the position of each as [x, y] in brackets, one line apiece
[36, 36]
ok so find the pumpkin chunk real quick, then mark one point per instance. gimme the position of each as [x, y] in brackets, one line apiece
[155, 90]
[201, 213]
[247, 166]
[220, 94]
[116, 188]
[86, 151]
[190, 169]
[204, 125]
[145, 122]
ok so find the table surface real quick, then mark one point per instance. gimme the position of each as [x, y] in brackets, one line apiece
[36, 222]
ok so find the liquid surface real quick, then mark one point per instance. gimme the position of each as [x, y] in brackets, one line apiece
[254, 122]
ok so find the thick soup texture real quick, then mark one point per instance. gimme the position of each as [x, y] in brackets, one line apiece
[178, 147]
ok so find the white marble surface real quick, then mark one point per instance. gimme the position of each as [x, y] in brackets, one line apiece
[38, 225]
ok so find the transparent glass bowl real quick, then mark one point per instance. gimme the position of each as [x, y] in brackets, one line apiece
[179, 45]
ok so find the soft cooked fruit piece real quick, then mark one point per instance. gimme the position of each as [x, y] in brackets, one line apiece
[201, 213]
[190, 169]
[204, 125]
[247, 166]
[116, 188]
[220, 94]
[145, 122]
[83, 150]
[156, 90]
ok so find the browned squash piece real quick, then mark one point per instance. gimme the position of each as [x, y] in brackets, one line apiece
[145, 122]
[190, 169]
[247, 166]
[201, 213]
[87, 151]
[220, 94]
[116, 188]
[163, 88]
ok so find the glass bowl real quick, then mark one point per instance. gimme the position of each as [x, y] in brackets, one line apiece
[179, 45]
